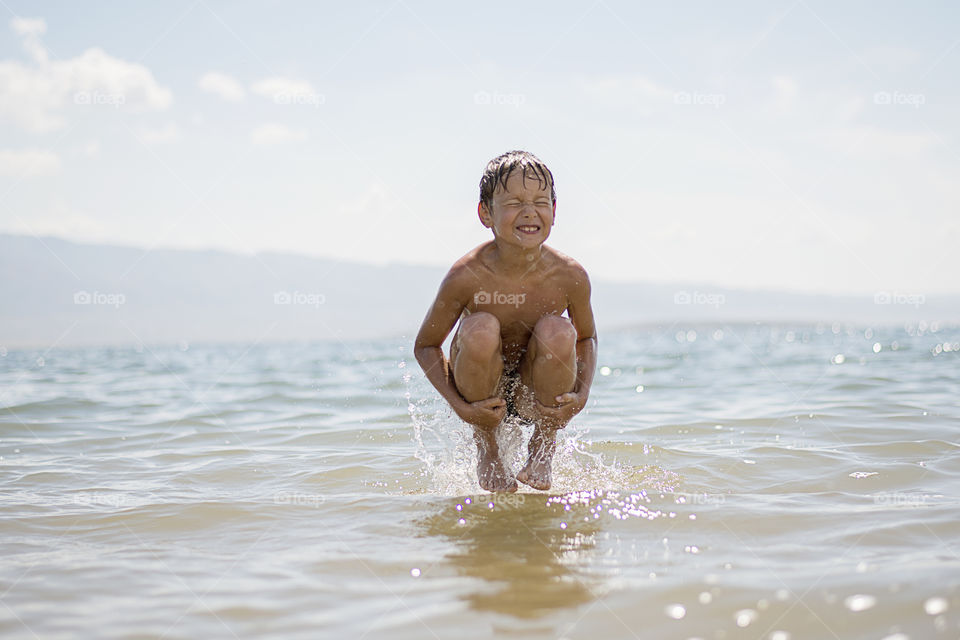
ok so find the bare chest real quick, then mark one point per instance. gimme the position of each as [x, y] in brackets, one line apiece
[518, 305]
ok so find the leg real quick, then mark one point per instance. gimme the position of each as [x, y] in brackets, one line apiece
[476, 364]
[549, 367]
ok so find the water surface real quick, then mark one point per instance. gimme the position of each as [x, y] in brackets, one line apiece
[743, 481]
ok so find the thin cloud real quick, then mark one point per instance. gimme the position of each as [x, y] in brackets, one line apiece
[35, 96]
[163, 135]
[284, 90]
[273, 133]
[28, 163]
[227, 87]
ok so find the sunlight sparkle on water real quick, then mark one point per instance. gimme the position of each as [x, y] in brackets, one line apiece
[860, 602]
[676, 611]
[745, 617]
[935, 606]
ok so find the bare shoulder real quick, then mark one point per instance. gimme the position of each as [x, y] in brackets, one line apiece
[571, 272]
[466, 272]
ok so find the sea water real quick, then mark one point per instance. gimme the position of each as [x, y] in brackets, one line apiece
[729, 481]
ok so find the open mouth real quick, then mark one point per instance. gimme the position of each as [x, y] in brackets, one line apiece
[530, 229]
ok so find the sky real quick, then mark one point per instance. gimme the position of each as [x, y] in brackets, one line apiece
[797, 145]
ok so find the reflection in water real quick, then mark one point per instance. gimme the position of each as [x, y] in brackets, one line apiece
[533, 554]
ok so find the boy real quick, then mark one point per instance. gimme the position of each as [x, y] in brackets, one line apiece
[513, 352]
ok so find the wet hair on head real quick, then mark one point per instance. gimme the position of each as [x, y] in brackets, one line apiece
[500, 169]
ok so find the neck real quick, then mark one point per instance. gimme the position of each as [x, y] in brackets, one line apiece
[514, 258]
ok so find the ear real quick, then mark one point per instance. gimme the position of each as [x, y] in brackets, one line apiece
[483, 212]
[554, 213]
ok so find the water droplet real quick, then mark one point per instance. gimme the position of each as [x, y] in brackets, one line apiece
[415, 572]
[838, 359]
[935, 606]
[639, 388]
[860, 602]
[745, 617]
[877, 347]
[676, 611]
[705, 597]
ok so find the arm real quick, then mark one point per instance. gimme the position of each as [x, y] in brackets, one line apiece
[428, 348]
[581, 316]
[455, 291]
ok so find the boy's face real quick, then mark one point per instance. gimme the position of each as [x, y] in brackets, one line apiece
[522, 213]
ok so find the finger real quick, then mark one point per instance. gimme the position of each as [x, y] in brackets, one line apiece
[491, 403]
[548, 412]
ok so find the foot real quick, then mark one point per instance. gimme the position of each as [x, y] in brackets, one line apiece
[491, 472]
[537, 473]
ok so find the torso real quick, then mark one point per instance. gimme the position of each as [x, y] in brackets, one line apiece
[518, 300]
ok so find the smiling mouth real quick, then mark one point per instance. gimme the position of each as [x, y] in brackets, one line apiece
[528, 228]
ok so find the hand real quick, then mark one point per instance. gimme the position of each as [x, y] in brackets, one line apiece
[568, 405]
[485, 414]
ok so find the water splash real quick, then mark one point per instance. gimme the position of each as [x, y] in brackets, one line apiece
[444, 445]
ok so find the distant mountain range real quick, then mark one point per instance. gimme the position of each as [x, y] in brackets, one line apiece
[55, 291]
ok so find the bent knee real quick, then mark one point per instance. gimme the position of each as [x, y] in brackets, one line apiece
[480, 332]
[556, 332]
